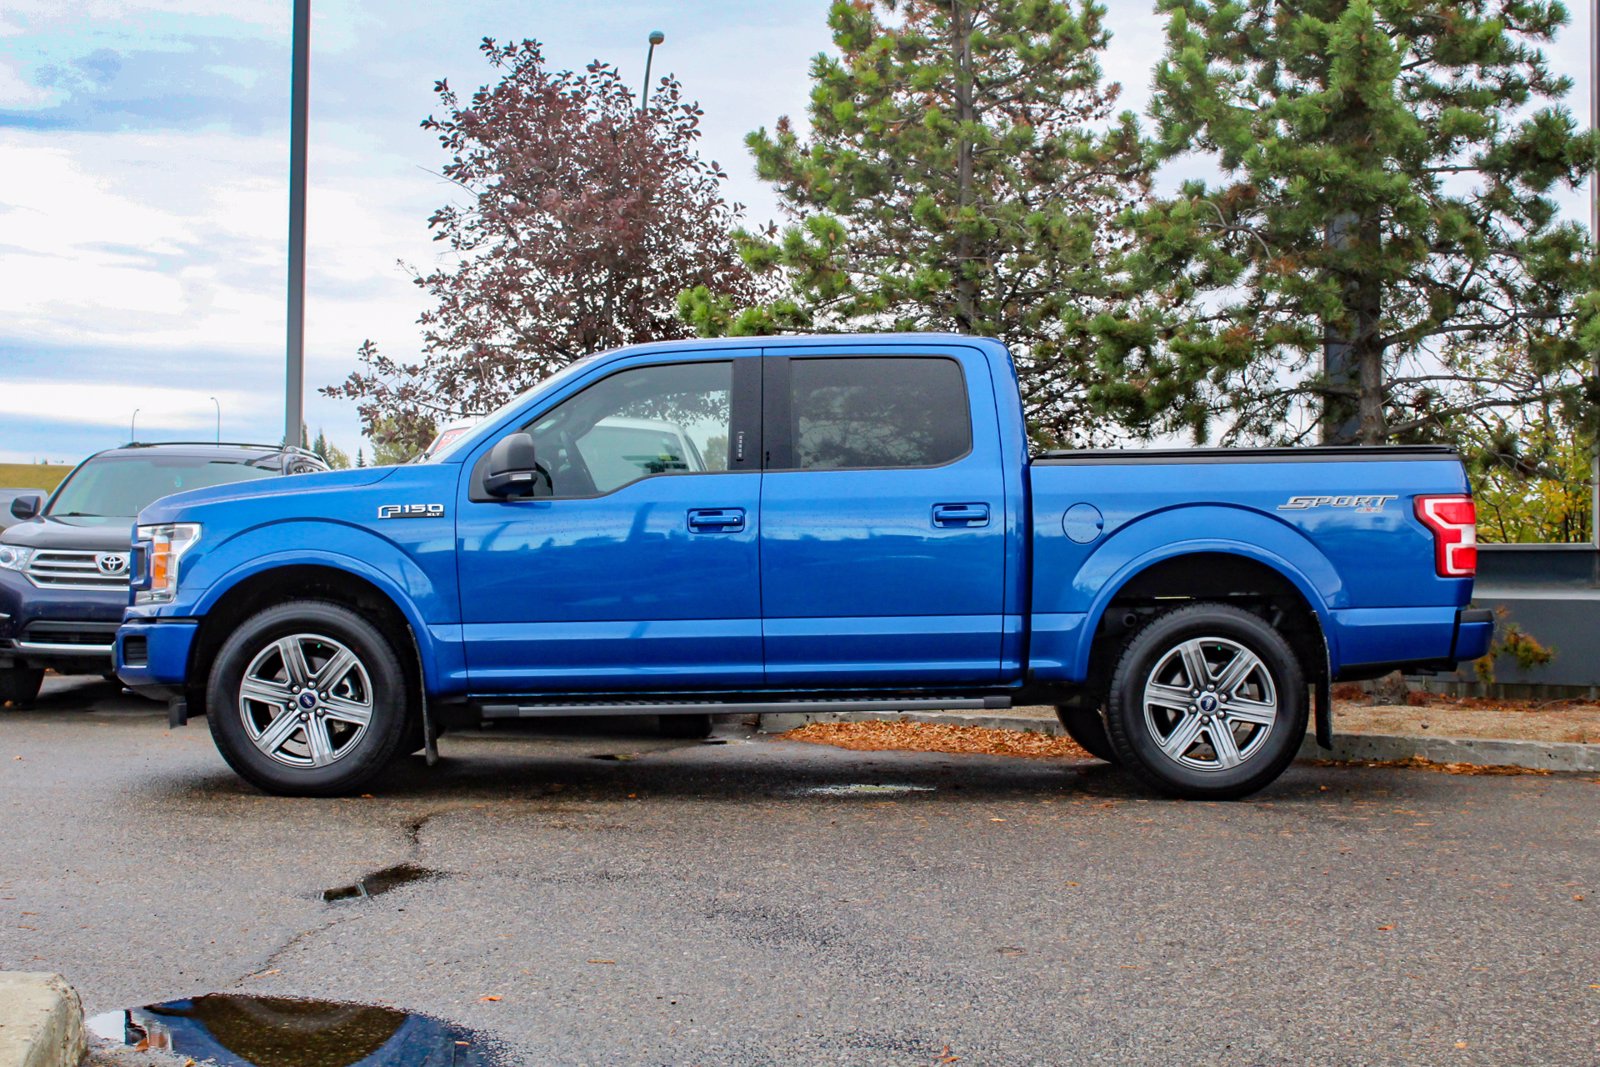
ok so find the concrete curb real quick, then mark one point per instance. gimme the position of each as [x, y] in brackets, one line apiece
[41, 1021]
[1536, 755]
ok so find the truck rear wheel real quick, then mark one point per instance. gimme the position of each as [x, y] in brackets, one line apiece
[1207, 702]
[308, 699]
[1087, 727]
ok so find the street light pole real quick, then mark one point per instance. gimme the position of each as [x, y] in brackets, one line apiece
[299, 81]
[656, 37]
[133, 434]
[214, 400]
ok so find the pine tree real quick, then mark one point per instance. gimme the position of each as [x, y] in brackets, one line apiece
[961, 173]
[1386, 205]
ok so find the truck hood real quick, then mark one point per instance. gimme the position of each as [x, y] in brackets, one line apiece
[96, 534]
[176, 507]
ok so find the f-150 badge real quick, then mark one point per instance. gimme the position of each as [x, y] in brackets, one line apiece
[1359, 503]
[410, 511]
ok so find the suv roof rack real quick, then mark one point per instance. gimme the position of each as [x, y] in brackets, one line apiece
[223, 444]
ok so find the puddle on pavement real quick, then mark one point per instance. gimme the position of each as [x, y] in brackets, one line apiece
[231, 1030]
[379, 882]
[861, 789]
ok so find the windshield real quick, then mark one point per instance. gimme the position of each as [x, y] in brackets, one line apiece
[119, 487]
[444, 450]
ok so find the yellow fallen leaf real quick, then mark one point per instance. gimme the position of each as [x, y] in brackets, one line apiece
[997, 820]
[1390, 926]
[603, 961]
[491, 996]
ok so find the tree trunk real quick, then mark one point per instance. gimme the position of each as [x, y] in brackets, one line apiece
[1352, 358]
[1373, 425]
[966, 288]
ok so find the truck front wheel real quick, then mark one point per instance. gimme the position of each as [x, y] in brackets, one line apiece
[1207, 702]
[308, 699]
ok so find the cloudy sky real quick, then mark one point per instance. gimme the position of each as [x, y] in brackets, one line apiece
[143, 197]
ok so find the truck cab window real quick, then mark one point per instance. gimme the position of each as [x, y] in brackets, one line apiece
[878, 412]
[662, 419]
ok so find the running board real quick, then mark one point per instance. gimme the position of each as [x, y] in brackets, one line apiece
[757, 707]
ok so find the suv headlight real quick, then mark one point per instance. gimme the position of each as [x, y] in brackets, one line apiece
[14, 557]
[168, 542]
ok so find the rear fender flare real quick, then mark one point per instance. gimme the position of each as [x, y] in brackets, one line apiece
[1168, 535]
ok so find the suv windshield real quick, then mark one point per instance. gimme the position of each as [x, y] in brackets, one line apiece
[120, 486]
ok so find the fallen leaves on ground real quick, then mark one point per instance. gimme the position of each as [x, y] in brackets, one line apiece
[935, 737]
[1421, 764]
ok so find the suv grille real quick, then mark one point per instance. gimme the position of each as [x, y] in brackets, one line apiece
[77, 569]
[94, 637]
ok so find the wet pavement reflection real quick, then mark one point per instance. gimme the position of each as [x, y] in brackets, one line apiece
[233, 1030]
[379, 882]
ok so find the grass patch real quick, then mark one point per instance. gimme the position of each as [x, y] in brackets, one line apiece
[33, 475]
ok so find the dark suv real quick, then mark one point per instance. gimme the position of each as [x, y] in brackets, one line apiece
[64, 570]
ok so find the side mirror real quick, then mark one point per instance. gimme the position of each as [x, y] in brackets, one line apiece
[25, 507]
[511, 470]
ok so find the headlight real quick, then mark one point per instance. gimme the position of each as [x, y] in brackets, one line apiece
[168, 542]
[14, 557]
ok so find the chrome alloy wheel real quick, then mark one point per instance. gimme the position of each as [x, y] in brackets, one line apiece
[1210, 703]
[305, 700]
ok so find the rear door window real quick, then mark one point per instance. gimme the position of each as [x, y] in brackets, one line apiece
[876, 412]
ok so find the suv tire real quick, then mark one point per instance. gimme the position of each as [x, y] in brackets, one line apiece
[19, 686]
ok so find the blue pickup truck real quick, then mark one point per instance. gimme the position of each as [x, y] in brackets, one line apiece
[826, 523]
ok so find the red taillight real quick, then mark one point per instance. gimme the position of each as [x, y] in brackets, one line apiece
[1454, 522]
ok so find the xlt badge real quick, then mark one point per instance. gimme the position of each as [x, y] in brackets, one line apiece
[410, 511]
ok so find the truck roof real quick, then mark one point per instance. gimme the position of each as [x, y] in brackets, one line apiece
[855, 340]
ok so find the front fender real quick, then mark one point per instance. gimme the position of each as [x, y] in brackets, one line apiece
[427, 603]
[1170, 534]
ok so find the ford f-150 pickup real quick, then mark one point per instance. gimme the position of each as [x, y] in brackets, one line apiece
[825, 523]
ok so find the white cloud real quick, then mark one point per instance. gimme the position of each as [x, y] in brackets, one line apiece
[82, 12]
[16, 90]
[114, 405]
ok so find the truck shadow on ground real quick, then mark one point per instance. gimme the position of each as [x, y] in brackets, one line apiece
[617, 768]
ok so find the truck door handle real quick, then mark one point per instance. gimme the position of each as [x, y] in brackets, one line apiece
[706, 520]
[961, 514]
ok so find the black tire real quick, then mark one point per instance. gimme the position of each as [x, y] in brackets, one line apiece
[326, 754]
[1087, 727]
[1231, 741]
[19, 686]
[685, 727]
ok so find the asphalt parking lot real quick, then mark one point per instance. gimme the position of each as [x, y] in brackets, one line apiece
[761, 901]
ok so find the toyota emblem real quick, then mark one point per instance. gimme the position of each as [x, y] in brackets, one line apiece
[111, 563]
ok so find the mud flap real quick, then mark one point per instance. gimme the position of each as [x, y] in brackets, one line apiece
[1324, 707]
[430, 734]
[177, 713]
